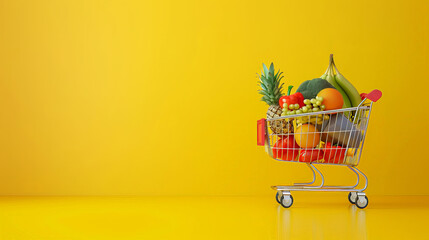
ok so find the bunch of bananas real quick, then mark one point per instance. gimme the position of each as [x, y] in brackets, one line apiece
[350, 94]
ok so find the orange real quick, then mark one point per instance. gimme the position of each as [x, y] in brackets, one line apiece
[332, 98]
[307, 136]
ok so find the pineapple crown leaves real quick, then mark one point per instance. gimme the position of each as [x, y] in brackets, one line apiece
[271, 88]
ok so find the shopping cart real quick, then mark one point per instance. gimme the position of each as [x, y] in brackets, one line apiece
[334, 137]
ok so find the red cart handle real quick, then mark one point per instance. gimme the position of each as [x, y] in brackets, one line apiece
[374, 95]
[262, 131]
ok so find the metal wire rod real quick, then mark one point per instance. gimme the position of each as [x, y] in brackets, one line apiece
[308, 183]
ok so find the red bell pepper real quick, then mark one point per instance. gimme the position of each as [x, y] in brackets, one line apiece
[363, 95]
[334, 154]
[296, 98]
[310, 155]
[286, 149]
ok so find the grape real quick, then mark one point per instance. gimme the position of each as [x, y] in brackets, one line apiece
[318, 103]
[322, 107]
[307, 101]
[315, 105]
[319, 98]
[305, 109]
[292, 112]
[284, 105]
[309, 106]
[297, 106]
[291, 106]
[315, 109]
[326, 117]
[313, 100]
[298, 111]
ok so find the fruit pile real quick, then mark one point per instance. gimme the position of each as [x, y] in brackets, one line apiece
[308, 133]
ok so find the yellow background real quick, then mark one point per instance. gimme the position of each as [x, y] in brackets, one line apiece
[159, 97]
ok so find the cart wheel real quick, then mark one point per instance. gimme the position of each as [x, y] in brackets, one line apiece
[286, 201]
[352, 197]
[362, 202]
[278, 197]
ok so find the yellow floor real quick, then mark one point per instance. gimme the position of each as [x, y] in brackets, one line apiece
[313, 216]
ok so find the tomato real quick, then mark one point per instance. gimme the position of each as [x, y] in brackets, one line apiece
[286, 149]
[310, 155]
[334, 154]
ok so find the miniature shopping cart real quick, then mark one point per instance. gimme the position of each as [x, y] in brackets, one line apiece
[334, 137]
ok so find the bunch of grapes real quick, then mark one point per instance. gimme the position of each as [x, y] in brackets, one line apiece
[311, 105]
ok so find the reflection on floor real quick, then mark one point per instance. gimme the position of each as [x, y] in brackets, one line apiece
[313, 216]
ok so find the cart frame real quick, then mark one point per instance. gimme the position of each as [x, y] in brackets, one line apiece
[356, 195]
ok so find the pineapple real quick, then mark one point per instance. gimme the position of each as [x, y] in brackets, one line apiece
[271, 91]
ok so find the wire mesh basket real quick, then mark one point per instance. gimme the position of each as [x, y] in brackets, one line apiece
[327, 137]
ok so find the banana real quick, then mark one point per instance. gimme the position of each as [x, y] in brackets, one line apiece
[327, 70]
[348, 88]
[331, 79]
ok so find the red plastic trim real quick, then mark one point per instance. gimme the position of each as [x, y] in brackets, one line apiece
[262, 131]
[374, 95]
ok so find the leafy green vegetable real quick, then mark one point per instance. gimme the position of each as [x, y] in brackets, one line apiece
[311, 88]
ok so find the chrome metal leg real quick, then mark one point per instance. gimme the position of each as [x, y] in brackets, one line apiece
[308, 183]
[346, 187]
[366, 179]
[321, 186]
[321, 175]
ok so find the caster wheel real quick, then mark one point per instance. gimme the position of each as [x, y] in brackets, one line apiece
[278, 197]
[362, 201]
[352, 197]
[286, 201]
